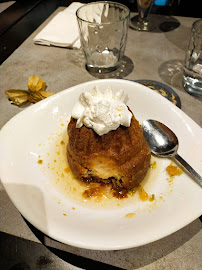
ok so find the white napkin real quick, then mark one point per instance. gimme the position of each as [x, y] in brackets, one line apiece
[62, 30]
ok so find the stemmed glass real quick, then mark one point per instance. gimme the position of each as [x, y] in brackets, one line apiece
[141, 21]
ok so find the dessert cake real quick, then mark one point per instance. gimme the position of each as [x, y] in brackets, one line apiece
[106, 142]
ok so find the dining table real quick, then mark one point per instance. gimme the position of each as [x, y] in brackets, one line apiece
[157, 56]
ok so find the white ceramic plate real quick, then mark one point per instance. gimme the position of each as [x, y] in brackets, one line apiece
[33, 135]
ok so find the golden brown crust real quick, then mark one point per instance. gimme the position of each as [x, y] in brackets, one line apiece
[122, 154]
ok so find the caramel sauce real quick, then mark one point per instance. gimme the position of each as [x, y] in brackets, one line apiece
[116, 191]
[85, 192]
[120, 193]
[95, 191]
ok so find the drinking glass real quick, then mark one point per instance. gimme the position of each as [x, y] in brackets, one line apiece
[141, 22]
[192, 77]
[103, 28]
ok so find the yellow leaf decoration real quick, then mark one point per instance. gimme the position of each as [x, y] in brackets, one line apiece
[36, 92]
[35, 83]
[18, 97]
[37, 96]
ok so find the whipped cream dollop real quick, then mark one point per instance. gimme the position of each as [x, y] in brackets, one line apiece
[102, 111]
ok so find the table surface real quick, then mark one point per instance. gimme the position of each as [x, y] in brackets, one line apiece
[156, 55]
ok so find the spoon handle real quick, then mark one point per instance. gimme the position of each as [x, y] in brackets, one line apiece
[190, 169]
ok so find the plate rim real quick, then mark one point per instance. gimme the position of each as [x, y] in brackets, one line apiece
[47, 102]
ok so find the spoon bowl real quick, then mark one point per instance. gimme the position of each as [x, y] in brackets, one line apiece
[163, 142]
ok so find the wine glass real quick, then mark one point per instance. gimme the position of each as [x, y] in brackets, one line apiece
[141, 21]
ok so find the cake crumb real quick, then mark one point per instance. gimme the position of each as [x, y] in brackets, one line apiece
[130, 215]
[153, 165]
[143, 194]
[173, 170]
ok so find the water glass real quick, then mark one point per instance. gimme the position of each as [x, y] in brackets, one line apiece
[103, 28]
[192, 77]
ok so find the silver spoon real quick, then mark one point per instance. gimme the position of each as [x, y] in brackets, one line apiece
[163, 142]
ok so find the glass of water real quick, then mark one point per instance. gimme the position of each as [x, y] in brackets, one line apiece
[103, 28]
[192, 77]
